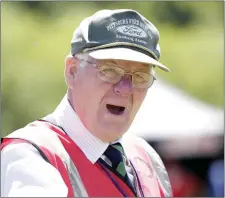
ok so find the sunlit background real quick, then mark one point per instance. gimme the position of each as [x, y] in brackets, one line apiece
[182, 116]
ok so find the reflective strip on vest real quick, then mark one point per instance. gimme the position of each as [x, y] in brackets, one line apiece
[144, 160]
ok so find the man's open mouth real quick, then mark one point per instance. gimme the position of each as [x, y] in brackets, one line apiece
[115, 110]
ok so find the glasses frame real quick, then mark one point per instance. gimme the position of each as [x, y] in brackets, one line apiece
[125, 72]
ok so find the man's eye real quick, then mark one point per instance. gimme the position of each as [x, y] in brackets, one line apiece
[110, 72]
[139, 78]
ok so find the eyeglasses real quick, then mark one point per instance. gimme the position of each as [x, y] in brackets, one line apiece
[113, 74]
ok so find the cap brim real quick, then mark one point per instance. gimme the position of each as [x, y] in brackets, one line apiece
[119, 53]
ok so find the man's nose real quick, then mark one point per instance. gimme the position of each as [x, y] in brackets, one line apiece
[124, 87]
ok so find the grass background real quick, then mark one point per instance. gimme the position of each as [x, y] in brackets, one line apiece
[34, 45]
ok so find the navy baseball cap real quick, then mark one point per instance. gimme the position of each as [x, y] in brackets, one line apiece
[121, 34]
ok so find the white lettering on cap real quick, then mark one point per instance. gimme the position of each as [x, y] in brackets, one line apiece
[132, 30]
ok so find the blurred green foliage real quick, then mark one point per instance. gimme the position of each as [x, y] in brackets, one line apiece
[36, 38]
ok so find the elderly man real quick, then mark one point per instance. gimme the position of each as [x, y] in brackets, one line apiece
[80, 149]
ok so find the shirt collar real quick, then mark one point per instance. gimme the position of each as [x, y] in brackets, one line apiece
[65, 117]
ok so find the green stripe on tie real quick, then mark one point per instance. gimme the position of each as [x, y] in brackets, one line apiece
[121, 169]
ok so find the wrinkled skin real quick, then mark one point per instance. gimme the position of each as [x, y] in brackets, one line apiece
[88, 95]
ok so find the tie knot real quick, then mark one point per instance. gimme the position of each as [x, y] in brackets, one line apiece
[117, 146]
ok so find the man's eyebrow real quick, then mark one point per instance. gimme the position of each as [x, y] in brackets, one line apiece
[111, 62]
[143, 66]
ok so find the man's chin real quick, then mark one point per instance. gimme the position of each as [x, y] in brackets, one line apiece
[112, 136]
[115, 119]
[117, 129]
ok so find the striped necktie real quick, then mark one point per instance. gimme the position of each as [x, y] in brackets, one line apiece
[115, 161]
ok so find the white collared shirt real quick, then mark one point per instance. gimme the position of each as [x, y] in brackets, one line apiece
[65, 117]
[25, 173]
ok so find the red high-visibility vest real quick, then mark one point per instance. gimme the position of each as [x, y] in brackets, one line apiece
[86, 179]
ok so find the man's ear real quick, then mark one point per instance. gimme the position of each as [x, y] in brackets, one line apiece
[71, 64]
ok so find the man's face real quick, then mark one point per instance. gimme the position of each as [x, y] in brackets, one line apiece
[106, 110]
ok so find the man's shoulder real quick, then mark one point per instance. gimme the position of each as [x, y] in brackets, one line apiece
[144, 148]
[31, 131]
[131, 139]
[41, 136]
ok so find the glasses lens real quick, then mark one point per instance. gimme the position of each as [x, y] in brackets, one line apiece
[110, 74]
[142, 80]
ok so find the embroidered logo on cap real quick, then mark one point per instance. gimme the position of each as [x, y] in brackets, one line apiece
[132, 30]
